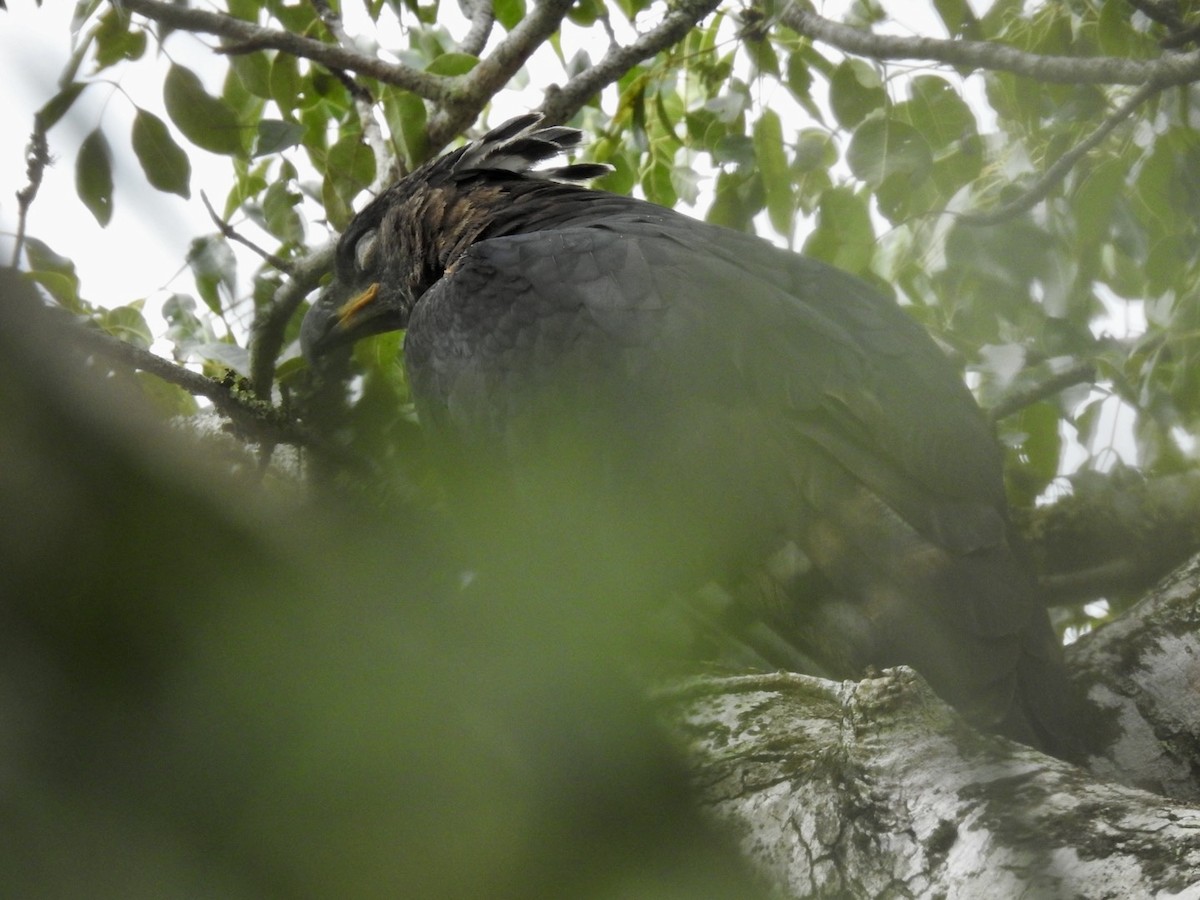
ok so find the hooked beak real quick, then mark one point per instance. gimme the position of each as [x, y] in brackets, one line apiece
[333, 322]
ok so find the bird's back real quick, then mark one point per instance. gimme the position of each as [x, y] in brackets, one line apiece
[767, 425]
[756, 406]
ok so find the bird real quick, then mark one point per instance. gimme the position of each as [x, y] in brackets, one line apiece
[803, 440]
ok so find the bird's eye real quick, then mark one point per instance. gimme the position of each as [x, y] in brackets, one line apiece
[364, 252]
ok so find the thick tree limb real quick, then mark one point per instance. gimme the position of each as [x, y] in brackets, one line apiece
[1142, 670]
[264, 420]
[1175, 68]
[1114, 536]
[877, 789]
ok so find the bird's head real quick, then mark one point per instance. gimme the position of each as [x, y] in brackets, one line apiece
[411, 234]
[369, 294]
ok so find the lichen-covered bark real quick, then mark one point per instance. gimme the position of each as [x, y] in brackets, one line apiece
[877, 789]
[1142, 672]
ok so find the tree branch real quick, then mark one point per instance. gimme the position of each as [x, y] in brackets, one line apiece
[37, 157]
[1175, 68]
[1048, 180]
[247, 36]
[364, 103]
[266, 338]
[877, 788]
[261, 417]
[1028, 395]
[473, 91]
[1113, 536]
[562, 103]
[483, 17]
[231, 233]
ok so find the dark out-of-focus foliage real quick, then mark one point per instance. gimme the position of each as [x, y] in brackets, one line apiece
[211, 692]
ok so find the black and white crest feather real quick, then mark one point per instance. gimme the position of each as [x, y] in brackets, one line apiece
[518, 145]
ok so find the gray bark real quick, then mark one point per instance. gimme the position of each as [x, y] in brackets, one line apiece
[877, 788]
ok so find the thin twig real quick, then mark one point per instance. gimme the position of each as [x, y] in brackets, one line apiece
[231, 233]
[1054, 175]
[364, 103]
[37, 157]
[1080, 373]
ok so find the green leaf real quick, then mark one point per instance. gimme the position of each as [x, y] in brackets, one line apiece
[351, 166]
[115, 41]
[844, 236]
[1096, 198]
[1041, 448]
[275, 135]
[254, 69]
[452, 64]
[246, 106]
[657, 184]
[169, 399]
[279, 207]
[164, 162]
[244, 9]
[799, 82]
[509, 12]
[93, 176]
[213, 266]
[231, 356]
[762, 53]
[248, 184]
[337, 210]
[738, 198]
[185, 329]
[815, 149]
[56, 274]
[855, 91]
[956, 15]
[57, 106]
[204, 120]
[772, 165]
[405, 114]
[1117, 35]
[881, 148]
[937, 112]
[126, 323]
[623, 176]
[285, 82]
